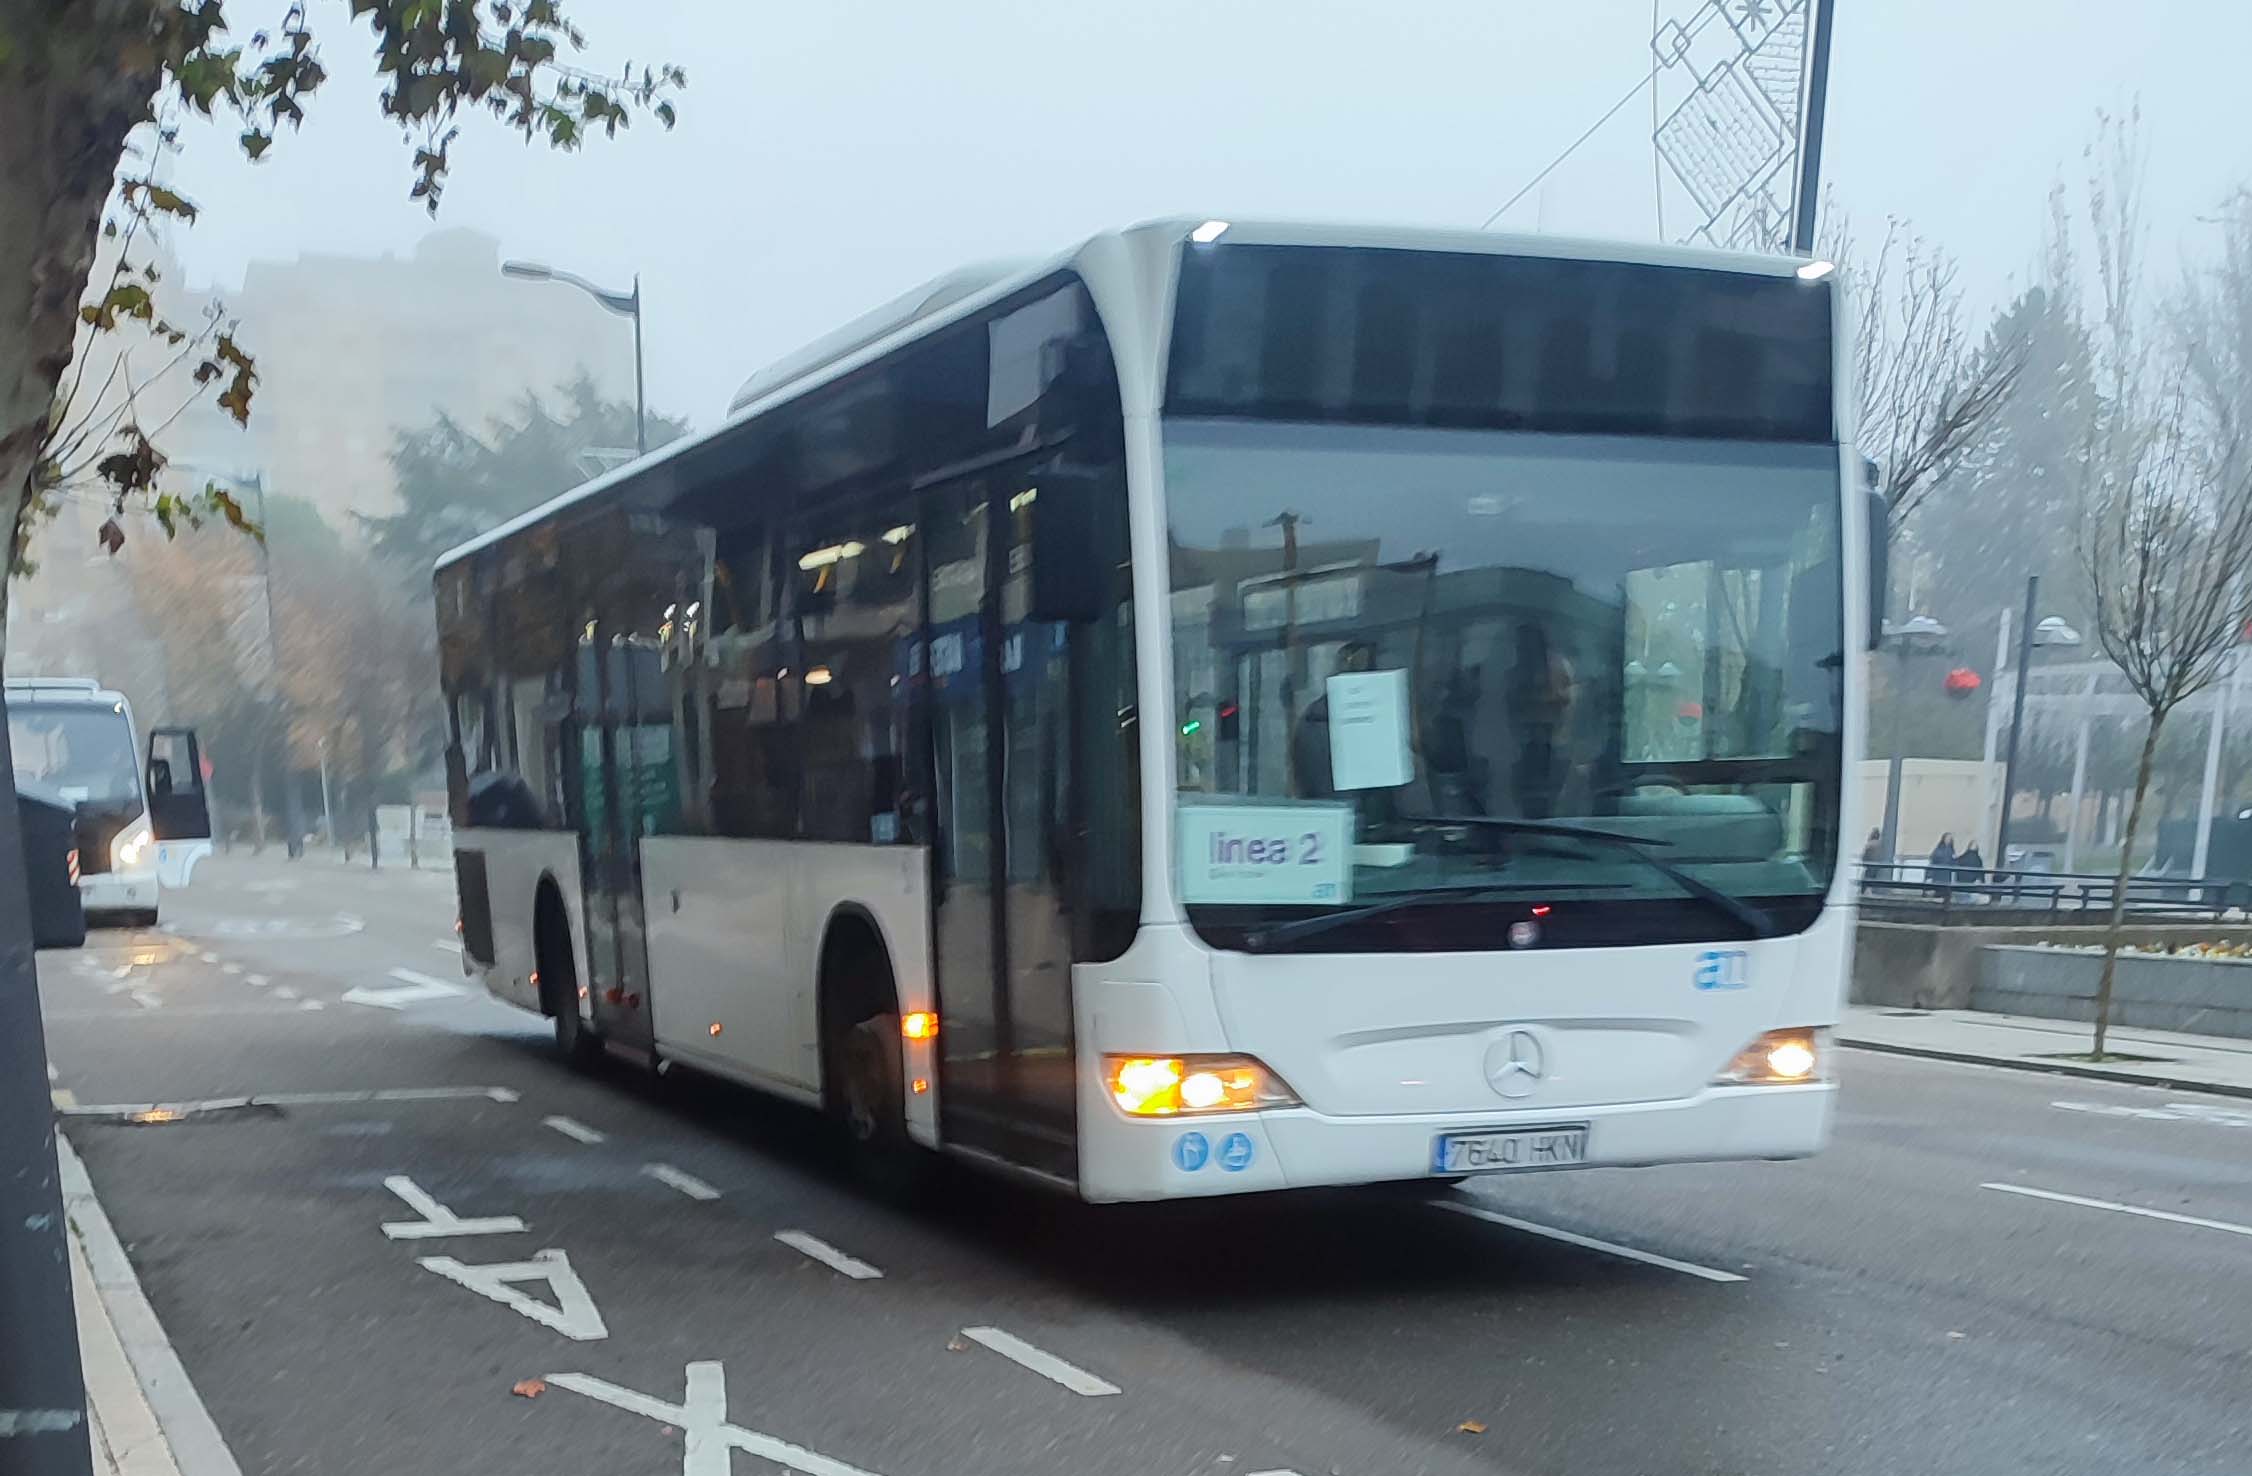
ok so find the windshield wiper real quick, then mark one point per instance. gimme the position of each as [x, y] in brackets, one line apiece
[1306, 927]
[1758, 923]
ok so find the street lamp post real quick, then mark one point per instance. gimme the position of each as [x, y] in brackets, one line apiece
[625, 304]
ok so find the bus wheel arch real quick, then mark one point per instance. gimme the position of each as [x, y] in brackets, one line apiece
[555, 968]
[858, 1003]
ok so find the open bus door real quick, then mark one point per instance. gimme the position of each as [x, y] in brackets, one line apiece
[179, 813]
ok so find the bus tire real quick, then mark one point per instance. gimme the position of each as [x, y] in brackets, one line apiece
[559, 982]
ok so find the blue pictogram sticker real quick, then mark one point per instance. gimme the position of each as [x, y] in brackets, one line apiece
[1192, 1151]
[1236, 1152]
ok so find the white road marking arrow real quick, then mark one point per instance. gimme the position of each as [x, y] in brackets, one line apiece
[573, 1314]
[413, 988]
[437, 1221]
[701, 1417]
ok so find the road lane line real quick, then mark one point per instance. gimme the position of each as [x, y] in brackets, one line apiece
[312, 1004]
[284, 992]
[1586, 1242]
[209, 958]
[1047, 1365]
[444, 945]
[146, 1000]
[575, 1130]
[256, 981]
[2124, 1209]
[828, 1255]
[686, 1183]
[230, 968]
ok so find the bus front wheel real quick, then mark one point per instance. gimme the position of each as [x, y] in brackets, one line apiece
[559, 986]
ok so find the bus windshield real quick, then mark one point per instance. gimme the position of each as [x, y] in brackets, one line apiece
[1391, 641]
[83, 751]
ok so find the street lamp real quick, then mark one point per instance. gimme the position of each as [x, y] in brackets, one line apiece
[2050, 630]
[625, 304]
[1918, 633]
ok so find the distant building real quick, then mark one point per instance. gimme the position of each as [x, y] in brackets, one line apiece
[351, 349]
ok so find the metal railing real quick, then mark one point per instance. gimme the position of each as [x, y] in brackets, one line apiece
[1914, 890]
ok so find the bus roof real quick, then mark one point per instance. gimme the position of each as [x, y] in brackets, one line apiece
[960, 293]
[60, 689]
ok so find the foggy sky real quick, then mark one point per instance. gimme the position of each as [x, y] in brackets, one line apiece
[832, 154]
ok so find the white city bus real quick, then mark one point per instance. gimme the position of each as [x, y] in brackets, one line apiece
[1232, 707]
[139, 827]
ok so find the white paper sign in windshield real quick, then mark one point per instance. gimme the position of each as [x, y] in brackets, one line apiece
[1281, 852]
[1368, 730]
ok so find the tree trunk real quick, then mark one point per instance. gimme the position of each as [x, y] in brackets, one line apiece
[63, 126]
[2119, 883]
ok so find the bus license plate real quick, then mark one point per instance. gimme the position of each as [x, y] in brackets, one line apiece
[1518, 1148]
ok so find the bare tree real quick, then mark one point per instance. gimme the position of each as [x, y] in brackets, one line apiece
[2165, 538]
[1929, 387]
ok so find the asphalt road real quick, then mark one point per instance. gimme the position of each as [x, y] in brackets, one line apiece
[1894, 1312]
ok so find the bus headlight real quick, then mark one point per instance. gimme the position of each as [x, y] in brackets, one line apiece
[131, 846]
[1780, 1058]
[1174, 1086]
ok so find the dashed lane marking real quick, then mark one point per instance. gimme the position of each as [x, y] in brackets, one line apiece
[1043, 1363]
[230, 968]
[1585, 1242]
[312, 1004]
[2123, 1209]
[284, 992]
[256, 981]
[828, 1255]
[686, 1183]
[575, 1130]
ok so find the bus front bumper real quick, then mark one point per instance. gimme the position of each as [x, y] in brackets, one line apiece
[112, 892]
[1297, 1148]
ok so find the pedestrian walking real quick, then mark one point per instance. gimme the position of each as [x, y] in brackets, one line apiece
[1970, 865]
[1941, 867]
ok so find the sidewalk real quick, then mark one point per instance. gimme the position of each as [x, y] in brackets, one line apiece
[144, 1415]
[2205, 1063]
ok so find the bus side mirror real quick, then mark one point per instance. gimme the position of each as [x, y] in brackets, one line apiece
[1880, 565]
[1071, 572]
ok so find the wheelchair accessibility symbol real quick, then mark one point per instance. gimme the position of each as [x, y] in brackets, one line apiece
[1191, 1151]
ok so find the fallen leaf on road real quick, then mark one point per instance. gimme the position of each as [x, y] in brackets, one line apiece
[1472, 1427]
[528, 1388]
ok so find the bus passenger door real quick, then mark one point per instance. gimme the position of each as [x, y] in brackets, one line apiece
[999, 722]
[179, 814]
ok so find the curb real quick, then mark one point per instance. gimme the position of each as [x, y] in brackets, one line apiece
[181, 1422]
[2055, 1068]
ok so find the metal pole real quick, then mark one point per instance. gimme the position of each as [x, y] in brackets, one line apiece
[328, 813]
[2079, 775]
[1888, 844]
[293, 820]
[42, 1391]
[2017, 722]
[2216, 730]
[640, 400]
[1810, 144]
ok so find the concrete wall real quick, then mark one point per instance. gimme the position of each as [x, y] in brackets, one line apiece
[1927, 966]
[2210, 997]
[1936, 796]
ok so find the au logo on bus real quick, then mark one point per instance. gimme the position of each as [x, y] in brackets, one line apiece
[1723, 968]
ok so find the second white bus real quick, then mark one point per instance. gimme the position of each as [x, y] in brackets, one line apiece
[1231, 708]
